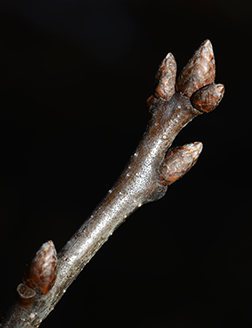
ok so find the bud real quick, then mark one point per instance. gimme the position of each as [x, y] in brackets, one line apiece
[166, 78]
[178, 161]
[43, 269]
[208, 98]
[199, 71]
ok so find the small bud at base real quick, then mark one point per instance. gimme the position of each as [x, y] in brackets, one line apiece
[42, 272]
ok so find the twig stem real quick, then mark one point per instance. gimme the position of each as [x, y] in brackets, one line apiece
[145, 178]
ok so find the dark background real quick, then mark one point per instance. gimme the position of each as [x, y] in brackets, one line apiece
[74, 77]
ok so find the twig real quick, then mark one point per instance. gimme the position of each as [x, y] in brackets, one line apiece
[146, 178]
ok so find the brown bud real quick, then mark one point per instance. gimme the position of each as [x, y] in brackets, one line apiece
[208, 98]
[42, 272]
[178, 161]
[166, 78]
[199, 71]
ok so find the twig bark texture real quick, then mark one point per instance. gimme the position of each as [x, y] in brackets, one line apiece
[150, 170]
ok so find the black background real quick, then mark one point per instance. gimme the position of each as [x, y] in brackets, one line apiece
[74, 77]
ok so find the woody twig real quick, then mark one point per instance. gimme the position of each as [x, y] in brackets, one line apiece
[151, 169]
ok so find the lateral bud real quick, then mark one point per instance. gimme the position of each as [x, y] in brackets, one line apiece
[208, 98]
[41, 275]
[166, 78]
[199, 71]
[178, 161]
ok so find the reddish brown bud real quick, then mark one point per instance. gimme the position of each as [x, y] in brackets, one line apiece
[43, 269]
[178, 161]
[199, 71]
[166, 78]
[208, 98]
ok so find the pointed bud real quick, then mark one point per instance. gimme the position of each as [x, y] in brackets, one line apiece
[166, 78]
[208, 98]
[199, 71]
[178, 161]
[43, 269]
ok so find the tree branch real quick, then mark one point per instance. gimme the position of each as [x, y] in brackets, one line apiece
[146, 178]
